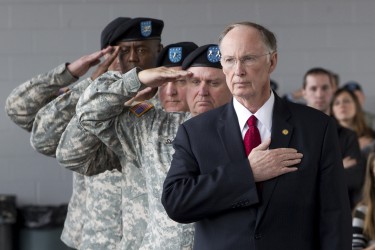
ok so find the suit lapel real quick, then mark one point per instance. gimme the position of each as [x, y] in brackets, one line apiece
[281, 134]
[230, 134]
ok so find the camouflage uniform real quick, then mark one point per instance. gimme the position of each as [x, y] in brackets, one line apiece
[148, 138]
[22, 106]
[94, 212]
[76, 146]
[76, 143]
[103, 205]
[25, 101]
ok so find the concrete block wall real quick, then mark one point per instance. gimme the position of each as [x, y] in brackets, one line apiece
[37, 35]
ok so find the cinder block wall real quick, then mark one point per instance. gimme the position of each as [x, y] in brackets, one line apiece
[37, 35]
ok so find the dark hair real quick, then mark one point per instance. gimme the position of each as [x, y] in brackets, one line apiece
[335, 79]
[359, 122]
[317, 71]
[268, 37]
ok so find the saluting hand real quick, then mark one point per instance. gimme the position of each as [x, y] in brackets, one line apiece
[269, 163]
[103, 67]
[80, 66]
[156, 77]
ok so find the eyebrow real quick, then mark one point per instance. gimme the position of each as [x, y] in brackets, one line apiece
[249, 54]
[206, 80]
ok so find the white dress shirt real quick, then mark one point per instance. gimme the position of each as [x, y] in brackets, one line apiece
[264, 116]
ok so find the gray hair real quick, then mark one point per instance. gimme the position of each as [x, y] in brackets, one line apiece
[268, 37]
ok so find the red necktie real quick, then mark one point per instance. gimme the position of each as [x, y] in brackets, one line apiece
[252, 136]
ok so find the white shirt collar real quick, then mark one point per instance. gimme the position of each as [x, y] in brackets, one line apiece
[264, 114]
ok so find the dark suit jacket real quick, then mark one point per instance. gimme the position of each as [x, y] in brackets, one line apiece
[354, 175]
[210, 182]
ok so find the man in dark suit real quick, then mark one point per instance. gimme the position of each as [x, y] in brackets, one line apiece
[288, 193]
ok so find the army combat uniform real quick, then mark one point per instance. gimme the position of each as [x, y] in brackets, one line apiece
[95, 200]
[75, 146]
[22, 106]
[25, 101]
[149, 137]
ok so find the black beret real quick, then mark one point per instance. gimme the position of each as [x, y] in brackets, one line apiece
[204, 56]
[174, 54]
[140, 28]
[107, 32]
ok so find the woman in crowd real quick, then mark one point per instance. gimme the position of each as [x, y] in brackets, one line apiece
[347, 110]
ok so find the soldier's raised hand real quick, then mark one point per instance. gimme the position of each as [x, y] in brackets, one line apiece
[80, 66]
[156, 77]
[103, 67]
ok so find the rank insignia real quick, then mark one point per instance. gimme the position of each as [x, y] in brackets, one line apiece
[213, 54]
[146, 28]
[285, 132]
[168, 141]
[141, 108]
[175, 54]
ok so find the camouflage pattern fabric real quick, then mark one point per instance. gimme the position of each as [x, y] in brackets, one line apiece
[82, 152]
[148, 138]
[28, 98]
[22, 106]
[135, 212]
[103, 206]
[76, 216]
[50, 122]
[77, 151]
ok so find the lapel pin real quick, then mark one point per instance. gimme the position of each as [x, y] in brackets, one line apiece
[285, 132]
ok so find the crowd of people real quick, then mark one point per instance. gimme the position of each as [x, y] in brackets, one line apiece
[356, 133]
[190, 147]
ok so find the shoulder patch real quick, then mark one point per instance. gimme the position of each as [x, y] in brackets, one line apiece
[141, 108]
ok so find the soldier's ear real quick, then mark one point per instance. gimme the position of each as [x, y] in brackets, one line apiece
[160, 47]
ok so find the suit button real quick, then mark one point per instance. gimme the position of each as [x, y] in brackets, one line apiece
[258, 236]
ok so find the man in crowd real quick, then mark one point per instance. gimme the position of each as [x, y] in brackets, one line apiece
[29, 98]
[259, 172]
[101, 111]
[103, 227]
[77, 149]
[318, 90]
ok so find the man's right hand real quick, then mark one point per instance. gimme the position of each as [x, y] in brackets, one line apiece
[104, 66]
[269, 163]
[80, 66]
[156, 77]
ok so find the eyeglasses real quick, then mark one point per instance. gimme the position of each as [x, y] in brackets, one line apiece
[248, 60]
